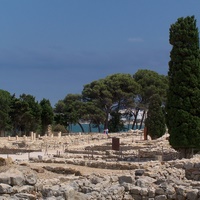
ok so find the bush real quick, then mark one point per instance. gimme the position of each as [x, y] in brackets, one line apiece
[59, 128]
[155, 121]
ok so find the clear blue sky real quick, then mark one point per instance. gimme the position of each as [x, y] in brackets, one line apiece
[50, 48]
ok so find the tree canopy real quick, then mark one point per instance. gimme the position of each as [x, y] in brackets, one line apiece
[99, 103]
[47, 114]
[151, 83]
[112, 93]
[5, 101]
[155, 121]
[25, 114]
[183, 105]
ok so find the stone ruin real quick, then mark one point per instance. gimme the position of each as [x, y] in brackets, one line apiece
[150, 169]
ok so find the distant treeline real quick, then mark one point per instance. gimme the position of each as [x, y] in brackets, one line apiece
[99, 103]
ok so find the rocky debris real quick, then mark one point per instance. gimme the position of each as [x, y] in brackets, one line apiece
[131, 148]
[62, 170]
[156, 179]
[16, 150]
[5, 161]
[150, 180]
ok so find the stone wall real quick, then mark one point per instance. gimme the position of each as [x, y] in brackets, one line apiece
[154, 180]
[175, 180]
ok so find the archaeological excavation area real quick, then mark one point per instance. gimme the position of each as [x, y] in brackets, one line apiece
[95, 166]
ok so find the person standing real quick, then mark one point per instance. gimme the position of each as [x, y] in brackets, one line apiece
[106, 132]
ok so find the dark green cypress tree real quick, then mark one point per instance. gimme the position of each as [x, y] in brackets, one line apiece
[155, 121]
[183, 98]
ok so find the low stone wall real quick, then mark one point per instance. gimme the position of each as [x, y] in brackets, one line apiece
[190, 166]
[154, 180]
[144, 181]
[16, 151]
[192, 169]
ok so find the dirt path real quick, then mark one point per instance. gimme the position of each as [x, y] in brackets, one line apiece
[83, 169]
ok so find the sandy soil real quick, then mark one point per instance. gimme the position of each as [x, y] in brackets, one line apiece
[44, 174]
[83, 170]
[78, 143]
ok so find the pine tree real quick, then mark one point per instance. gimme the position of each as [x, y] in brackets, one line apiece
[183, 98]
[155, 121]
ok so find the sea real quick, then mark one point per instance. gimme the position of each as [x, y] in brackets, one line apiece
[75, 128]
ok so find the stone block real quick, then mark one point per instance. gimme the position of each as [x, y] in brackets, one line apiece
[25, 196]
[159, 191]
[135, 190]
[161, 197]
[126, 179]
[192, 194]
[188, 165]
[139, 172]
[144, 192]
[136, 197]
[5, 189]
[151, 192]
[31, 179]
[145, 181]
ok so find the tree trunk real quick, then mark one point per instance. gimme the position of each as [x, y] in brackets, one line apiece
[142, 119]
[81, 127]
[185, 152]
[106, 121]
[90, 130]
[135, 115]
[129, 120]
[98, 128]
